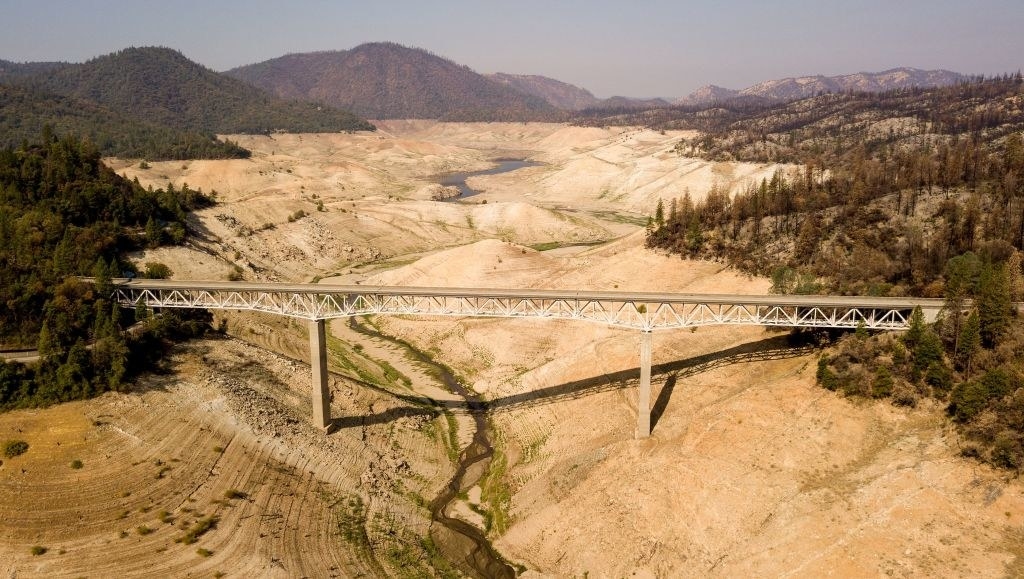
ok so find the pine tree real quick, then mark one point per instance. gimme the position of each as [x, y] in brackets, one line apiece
[101, 274]
[917, 328]
[993, 301]
[154, 234]
[968, 343]
[659, 214]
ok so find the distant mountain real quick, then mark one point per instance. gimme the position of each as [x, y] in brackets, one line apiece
[161, 86]
[559, 94]
[621, 102]
[390, 81]
[708, 94]
[787, 89]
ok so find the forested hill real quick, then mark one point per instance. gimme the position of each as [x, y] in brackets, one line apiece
[159, 86]
[820, 129]
[389, 81]
[904, 193]
[63, 213]
[24, 113]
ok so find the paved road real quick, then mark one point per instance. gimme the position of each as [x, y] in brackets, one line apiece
[23, 356]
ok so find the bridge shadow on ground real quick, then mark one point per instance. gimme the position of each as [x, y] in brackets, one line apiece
[774, 348]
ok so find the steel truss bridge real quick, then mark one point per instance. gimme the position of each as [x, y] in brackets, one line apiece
[643, 311]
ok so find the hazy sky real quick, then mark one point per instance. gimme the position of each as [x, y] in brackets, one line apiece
[622, 47]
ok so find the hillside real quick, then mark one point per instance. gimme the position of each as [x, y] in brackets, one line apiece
[792, 88]
[160, 85]
[24, 113]
[390, 81]
[911, 192]
[825, 128]
[820, 130]
[559, 94]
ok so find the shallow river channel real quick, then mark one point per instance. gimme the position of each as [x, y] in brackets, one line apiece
[463, 544]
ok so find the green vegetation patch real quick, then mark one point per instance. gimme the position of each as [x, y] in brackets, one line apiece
[201, 527]
[13, 448]
[497, 494]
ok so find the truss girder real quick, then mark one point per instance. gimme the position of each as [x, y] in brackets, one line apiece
[621, 312]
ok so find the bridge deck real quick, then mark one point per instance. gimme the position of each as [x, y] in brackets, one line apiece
[644, 311]
[646, 297]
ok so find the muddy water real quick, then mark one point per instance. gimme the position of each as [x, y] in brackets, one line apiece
[461, 543]
[458, 180]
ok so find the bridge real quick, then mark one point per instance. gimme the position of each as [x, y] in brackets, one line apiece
[644, 312]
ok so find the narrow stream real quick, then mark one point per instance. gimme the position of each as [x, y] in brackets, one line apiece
[463, 544]
[458, 180]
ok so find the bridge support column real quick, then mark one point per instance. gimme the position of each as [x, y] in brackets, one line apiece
[643, 404]
[318, 362]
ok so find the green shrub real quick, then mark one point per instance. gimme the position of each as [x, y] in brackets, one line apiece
[76, 464]
[156, 270]
[826, 377]
[1008, 450]
[39, 550]
[967, 400]
[939, 377]
[1000, 382]
[881, 386]
[203, 552]
[13, 448]
[197, 530]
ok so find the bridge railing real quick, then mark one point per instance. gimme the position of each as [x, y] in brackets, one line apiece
[637, 310]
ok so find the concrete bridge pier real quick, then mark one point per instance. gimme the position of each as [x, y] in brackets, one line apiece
[643, 405]
[318, 362]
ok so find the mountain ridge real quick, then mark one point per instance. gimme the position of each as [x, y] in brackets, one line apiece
[791, 88]
[386, 80]
[151, 102]
[161, 85]
[560, 94]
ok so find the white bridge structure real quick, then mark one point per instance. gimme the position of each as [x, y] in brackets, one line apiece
[641, 311]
